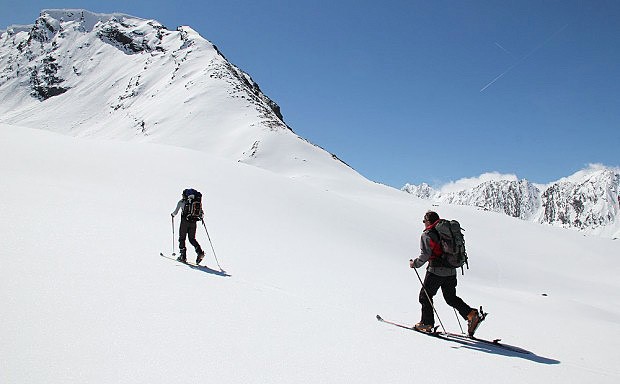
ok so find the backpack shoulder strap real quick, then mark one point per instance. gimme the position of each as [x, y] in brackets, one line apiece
[434, 234]
[435, 244]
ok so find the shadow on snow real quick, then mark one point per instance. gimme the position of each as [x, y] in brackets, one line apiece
[201, 268]
[481, 345]
[500, 349]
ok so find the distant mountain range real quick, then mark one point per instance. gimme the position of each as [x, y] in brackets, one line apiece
[588, 200]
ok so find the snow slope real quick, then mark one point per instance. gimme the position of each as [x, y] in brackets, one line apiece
[86, 298]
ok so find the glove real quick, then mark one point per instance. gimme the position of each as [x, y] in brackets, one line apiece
[415, 263]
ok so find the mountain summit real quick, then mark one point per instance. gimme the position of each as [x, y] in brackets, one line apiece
[123, 77]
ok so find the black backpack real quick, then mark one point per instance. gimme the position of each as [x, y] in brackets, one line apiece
[452, 243]
[192, 211]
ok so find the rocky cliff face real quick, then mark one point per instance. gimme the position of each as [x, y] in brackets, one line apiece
[515, 198]
[590, 201]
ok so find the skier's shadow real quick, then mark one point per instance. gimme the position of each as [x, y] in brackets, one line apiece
[201, 268]
[208, 270]
[498, 350]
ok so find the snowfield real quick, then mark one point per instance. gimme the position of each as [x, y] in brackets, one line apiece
[309, 262]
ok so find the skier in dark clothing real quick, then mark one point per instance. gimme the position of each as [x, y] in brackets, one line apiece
[187, 228]
[438, 275]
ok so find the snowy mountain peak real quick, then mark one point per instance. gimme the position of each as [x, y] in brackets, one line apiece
[587, 200]
[54, 21]
[117, 76]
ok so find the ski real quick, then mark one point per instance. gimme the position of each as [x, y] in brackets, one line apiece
[188, 263]
[458, 338]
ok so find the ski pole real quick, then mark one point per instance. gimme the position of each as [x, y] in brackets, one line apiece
[429, 300]
[211, 243]
[459, 320]
[173, 253]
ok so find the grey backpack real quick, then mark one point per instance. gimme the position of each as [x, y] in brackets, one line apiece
[452, 243]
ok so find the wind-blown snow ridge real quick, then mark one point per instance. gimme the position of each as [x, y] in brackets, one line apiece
[588, 200]
[117, 76]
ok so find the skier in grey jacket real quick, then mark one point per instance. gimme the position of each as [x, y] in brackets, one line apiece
[187, 228]
[438, 275]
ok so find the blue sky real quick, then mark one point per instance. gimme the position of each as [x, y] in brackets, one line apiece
[420, 91]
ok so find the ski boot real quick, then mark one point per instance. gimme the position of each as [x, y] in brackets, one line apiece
[182, 258]
[474, 318]
[200, 257]
[421, 327]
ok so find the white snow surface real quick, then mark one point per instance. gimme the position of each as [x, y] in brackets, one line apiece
[86, 298]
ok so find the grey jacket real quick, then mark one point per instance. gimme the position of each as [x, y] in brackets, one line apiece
[180, 206]
[426, 253]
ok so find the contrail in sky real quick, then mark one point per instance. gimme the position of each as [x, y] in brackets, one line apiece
[523, 58]
[503, 49]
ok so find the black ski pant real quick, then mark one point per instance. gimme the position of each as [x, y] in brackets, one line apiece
[188, 229]
[432, 283]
